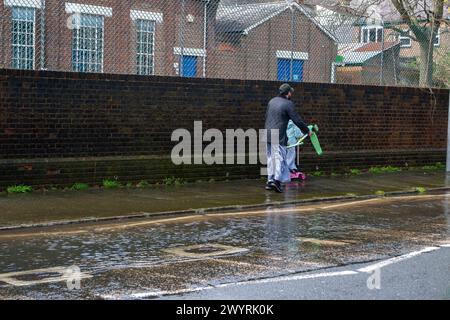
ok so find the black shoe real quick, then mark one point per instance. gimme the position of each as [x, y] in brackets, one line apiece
[269, 185]
[276, 186]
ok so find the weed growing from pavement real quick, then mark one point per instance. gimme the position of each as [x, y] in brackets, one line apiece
[19, 189]
[420, 189]
[172, 181]
[143, 184]
[437, 166]
[79, 186]
[317, 174]
[388, 169]
[111, 184]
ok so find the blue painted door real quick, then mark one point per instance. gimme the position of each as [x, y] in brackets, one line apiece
[297, 70]
[189, 66]
[284, 70]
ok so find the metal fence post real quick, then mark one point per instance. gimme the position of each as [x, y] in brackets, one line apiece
[448, 135]
[42, 38]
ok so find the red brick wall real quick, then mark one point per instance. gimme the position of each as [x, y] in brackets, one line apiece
[57, 128]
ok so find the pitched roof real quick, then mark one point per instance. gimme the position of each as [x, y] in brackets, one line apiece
[243, 18]
[358, 53]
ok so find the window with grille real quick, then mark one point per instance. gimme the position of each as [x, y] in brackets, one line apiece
[87, 45]
[145, 32]
[23, 31]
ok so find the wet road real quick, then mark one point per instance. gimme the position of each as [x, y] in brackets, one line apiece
[190, 257]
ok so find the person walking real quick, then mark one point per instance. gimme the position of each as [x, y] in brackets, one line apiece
[279, 111]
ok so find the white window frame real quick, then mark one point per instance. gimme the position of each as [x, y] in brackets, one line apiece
[103, 45]
[153, 46]
[400, 38]
[34, 39]
[368, 28]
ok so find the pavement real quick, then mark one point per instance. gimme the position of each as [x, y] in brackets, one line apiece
[66, 207]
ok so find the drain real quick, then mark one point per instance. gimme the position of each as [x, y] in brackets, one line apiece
[204, 250]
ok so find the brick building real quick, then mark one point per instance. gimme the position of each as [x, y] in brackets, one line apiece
[369, 63]
[150, 37]
[255, 41]
[107, 36]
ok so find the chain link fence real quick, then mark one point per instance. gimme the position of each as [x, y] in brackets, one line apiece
[295, 40]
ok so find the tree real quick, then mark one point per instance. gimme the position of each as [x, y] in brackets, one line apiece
[442, 68]
[423, 18]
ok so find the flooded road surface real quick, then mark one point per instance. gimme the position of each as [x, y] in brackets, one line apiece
[176, 255]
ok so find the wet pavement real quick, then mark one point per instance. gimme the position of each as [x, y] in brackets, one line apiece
[59, 206]
[176, 256]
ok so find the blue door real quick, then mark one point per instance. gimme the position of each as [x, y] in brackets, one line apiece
[297, 70]
[189, 66]
[284, 70]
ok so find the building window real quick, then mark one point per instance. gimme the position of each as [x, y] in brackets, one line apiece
[145, 30]
[405, 40]
[372, 34]
[87, 45]
[285, 66]
[437, 38]
[23, 30]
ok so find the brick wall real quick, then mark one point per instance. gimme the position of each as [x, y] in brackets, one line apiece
[60, 128]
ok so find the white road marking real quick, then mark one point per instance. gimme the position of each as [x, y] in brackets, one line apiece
[387, 262]
[151, 294]
[63, 275]
[367, 269]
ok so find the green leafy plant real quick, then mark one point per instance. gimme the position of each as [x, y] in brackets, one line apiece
[317, 174]
[376, 170]
[79, 186]
[172, 181]
[437, 166]
[334, 174]
[19, 189]
[111, 184]
[355, 171]
[420, 189]
[143, 184]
